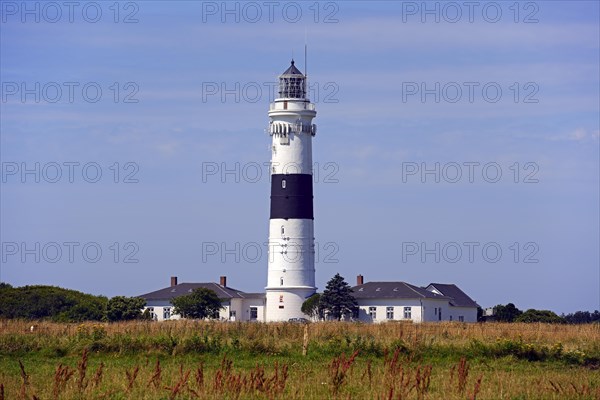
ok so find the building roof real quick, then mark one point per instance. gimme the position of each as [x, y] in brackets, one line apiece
[254, 295]
[223, 292]
[292, 70]
[396, 290]
[459, 298]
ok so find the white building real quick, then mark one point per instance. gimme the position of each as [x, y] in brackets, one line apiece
[291, 264]
[401, 301]
[377, 301]
[237, 305]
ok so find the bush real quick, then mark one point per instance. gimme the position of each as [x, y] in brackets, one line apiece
[50, 302]
[121, 308]
[545, 316]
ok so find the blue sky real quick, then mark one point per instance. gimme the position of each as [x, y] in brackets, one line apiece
[199, 81]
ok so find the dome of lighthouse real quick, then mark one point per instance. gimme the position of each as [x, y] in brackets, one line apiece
[292, 83]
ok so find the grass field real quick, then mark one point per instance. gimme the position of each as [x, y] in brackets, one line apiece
[213, 360]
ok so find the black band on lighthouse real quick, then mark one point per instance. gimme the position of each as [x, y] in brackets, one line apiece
[291, 196]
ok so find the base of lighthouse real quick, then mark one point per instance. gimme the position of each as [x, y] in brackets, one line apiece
[291, 272]
[283, 305]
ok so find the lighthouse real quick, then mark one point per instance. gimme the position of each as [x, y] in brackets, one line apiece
[291, 264]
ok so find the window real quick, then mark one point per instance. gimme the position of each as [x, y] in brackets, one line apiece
[281, 307]
[280, 284]
[461, 318]
[282, 230]
[435, 311]
[389, 312]
[283, 183]
[232, 315]
[167, 313]
[451, 318]
[373, 312]
[407, 313]
[281, 298]
[151, 311]
[253, 313]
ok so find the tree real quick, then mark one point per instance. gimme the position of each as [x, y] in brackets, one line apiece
[121, 308]
[50, 302]
[480, 314]
[582, 317]
[201, 303]
[312, 307]
[93, 309]
[337, 298]
[147, 315]
[507, 313]
[532, 315]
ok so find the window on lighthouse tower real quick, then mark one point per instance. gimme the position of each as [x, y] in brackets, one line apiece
[283, 183]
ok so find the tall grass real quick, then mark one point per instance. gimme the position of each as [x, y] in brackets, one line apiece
[575, 344]
[212, 360]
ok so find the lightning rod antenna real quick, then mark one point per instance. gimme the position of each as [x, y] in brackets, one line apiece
[305, 63]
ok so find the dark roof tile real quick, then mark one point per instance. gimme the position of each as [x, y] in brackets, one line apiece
[223, 292]
[399, 290]
[459, 298]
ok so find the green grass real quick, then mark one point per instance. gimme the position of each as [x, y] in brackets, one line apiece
[247, 361]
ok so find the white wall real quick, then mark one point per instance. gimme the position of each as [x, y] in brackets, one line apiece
[286, 303]
[157, 309]
[240, 306]
[259, 303]
[295, 157]
[433, 308]
[422, 310]
[469, 314]
[291, 254]
[381, 309]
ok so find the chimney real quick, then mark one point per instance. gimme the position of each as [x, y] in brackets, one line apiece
[223, 281]
[173, 281]
[359, 280]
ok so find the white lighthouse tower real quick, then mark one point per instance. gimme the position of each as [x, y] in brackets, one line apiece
[291, 269]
